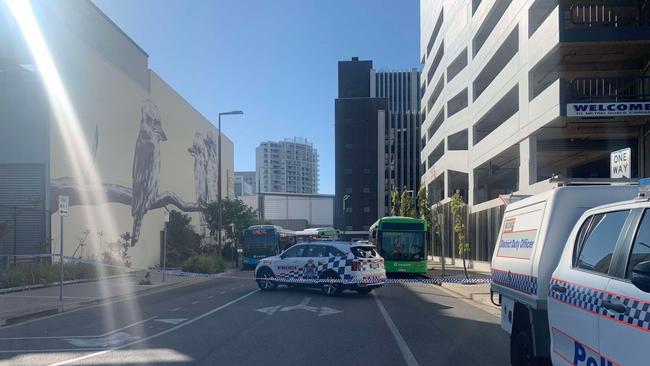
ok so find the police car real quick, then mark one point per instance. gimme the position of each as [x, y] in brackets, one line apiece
[574, 282]
[332, 266]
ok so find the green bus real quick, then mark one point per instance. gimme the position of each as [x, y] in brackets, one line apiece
[402, 243]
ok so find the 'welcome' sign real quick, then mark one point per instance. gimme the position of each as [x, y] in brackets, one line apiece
[608, 109]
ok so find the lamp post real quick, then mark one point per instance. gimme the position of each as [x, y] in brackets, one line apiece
[345, 198]
[164, 261]
[219, 174]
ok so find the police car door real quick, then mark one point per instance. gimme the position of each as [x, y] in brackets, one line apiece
[309, 262]
[576, 287]
[625, 328]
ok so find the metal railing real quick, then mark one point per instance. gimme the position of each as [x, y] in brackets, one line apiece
[607, 14]
[610, 88]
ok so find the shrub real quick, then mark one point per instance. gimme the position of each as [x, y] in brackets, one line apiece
[204, 264]
[43, 274]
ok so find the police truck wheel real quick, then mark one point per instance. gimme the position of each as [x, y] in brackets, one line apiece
[521, 350]
[364, 290]
[330, 286]
[266, 280]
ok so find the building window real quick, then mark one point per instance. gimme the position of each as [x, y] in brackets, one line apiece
[348, 209]
[366, 228]
[366, 209]
[348, 228]
[348, 146]
[348, 171]
[348, 190]
[366, 171]
[366, 190]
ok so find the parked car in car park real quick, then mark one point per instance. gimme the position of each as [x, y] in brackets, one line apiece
[332, 266]
[572, 268]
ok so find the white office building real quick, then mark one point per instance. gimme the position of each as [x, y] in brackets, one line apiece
[516, 92]
[287, 166]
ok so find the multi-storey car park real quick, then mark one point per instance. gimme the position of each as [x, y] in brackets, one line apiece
[516, 92]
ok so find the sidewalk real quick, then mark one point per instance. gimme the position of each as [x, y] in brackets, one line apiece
[19, 306]
[479, 293]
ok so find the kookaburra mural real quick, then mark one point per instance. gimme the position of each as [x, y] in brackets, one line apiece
[146, 165]
[144, 195]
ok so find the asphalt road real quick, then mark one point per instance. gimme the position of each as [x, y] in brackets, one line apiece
[227, 321]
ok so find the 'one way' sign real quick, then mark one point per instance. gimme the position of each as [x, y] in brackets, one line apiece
[620, 164]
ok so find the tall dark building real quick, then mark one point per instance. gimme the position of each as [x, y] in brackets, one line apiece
[377, 141]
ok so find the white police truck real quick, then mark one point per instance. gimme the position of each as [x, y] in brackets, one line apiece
[332, 266]
[572, 268]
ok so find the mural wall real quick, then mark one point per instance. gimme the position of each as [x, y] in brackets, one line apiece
[151, 150]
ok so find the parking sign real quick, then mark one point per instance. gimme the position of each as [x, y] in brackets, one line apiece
[63, 205]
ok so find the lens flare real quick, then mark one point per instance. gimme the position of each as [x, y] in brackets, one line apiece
[85, 175]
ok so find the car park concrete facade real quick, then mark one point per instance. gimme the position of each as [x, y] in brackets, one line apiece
[504, 83]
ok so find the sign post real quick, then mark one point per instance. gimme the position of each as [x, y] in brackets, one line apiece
[63, 211]
[621, 163]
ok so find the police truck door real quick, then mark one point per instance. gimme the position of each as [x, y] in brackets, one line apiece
[573, 296]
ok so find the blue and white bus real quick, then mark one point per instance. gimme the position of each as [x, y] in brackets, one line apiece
[261, 241]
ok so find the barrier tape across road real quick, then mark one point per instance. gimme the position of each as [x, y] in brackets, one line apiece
[180, 273]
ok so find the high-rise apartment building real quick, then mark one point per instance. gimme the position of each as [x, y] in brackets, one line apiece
[245, 183]
[289, 166]
[520, 91]
[377, 141]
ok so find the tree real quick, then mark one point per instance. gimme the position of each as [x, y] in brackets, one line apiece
[125, 243]
[182, 240]
[236, 212]
[407, 208]
[395, 204]
[423, 206]
[457, 205]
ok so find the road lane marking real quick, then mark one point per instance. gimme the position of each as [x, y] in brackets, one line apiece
[211, 296]
[179, 326]
[222, 292]
[76, 350]
[321, 311]
[177, 309]
[172, 321]
[194, 302]
[81, 336]
[401, 343]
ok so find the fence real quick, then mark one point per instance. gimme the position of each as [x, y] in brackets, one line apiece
[610, 88]
[609, 14]
[482, 229]
[24, 232]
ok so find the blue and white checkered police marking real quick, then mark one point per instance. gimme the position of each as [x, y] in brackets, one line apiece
[515, 281]
[637, 313]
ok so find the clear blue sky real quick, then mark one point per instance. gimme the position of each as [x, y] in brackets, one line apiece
[274, 59]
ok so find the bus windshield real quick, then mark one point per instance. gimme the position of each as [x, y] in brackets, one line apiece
[402, 245]
[260, 242]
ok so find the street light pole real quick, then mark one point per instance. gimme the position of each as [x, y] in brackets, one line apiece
[219, 206]
[345, 198]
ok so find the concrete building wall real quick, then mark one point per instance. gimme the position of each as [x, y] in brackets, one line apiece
[497, 79]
